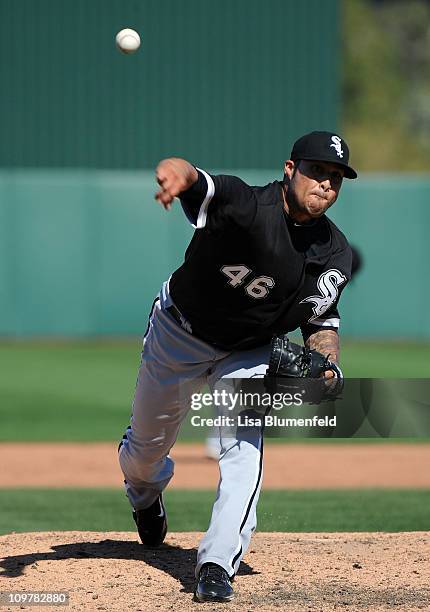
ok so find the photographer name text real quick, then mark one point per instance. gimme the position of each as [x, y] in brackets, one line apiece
[243, 420]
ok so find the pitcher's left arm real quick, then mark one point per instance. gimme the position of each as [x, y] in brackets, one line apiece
[326, 342]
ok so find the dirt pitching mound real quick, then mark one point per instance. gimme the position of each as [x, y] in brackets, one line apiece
[294, 572]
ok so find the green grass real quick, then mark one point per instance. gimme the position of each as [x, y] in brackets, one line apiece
[294, 511]
[83, 390]
[70, 391]
[385, 359]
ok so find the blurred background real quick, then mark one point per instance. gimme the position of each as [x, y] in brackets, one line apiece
[229, 86]
[84, 247]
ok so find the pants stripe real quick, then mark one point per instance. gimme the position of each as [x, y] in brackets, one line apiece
[248, 509]
[260, 470]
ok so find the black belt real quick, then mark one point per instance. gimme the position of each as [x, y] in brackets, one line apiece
[179, 318]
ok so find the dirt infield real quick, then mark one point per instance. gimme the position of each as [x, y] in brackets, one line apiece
[292, 466]
[294, 572]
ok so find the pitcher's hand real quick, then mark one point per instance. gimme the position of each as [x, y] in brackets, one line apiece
[174, 175]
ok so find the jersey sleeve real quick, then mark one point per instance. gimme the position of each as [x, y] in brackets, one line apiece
[329, 320]
[341, 260]
[217, 199]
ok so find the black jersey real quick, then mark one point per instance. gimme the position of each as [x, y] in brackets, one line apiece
[250, 271]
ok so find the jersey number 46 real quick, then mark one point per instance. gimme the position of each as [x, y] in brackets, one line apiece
[258, 288]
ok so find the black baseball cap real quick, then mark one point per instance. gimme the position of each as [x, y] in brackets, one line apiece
[324, 146]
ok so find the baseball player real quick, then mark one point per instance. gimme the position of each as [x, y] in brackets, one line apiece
[263, 261]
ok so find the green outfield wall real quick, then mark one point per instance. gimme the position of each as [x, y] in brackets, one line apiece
[225, 83]
[83, 252]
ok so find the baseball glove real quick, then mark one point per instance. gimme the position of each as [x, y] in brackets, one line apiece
[289, 361]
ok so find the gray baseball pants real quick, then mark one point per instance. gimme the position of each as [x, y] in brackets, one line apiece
[174, 365]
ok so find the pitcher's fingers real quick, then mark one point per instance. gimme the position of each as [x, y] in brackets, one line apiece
[163, 176]
[165, 206]
[173, 185]
[164, 197]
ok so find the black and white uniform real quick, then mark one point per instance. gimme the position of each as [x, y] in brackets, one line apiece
[249, 272]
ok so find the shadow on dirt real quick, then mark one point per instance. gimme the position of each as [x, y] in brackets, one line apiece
[173, 560]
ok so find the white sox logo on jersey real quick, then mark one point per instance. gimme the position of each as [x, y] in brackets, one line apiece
[327, 284]
[337, 145]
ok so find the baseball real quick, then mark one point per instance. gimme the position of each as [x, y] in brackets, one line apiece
[127, 40]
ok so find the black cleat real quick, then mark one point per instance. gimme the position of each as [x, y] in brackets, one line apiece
[214, 584]
[152, 523]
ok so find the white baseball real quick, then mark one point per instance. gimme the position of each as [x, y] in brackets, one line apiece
[127, 40]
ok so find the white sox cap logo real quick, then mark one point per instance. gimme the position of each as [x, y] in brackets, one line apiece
[328, 284]
[337, 144]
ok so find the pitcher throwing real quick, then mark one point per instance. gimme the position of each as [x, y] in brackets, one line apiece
[263, 261]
